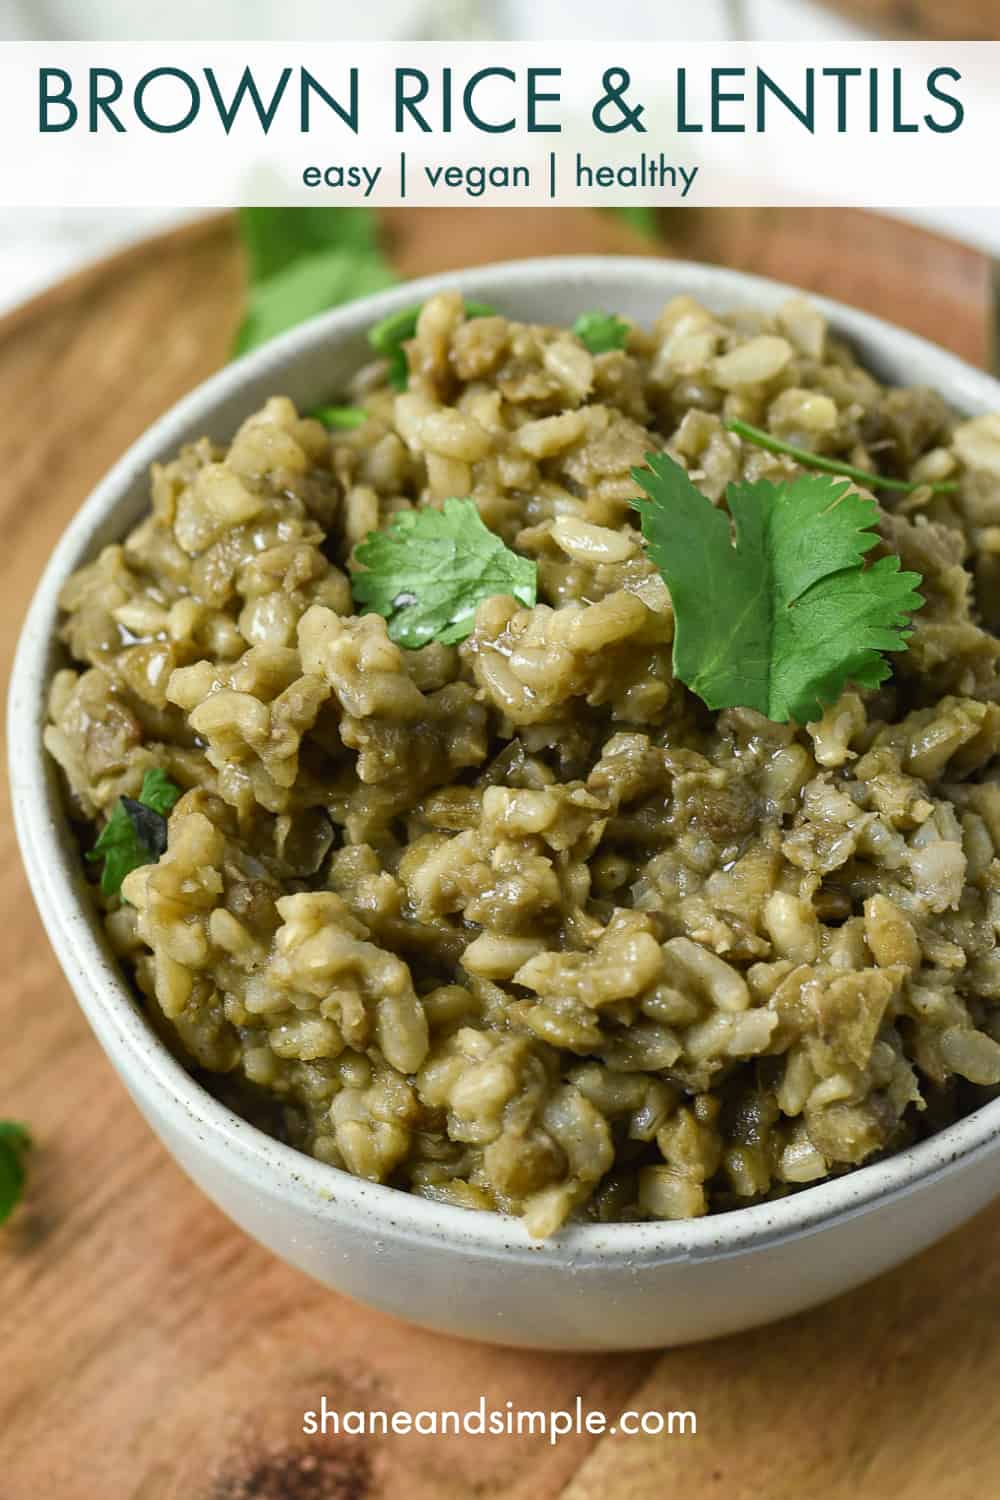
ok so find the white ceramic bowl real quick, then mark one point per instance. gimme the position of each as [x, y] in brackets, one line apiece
[476, 1274]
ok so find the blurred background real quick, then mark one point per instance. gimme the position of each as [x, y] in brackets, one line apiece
[40, 246]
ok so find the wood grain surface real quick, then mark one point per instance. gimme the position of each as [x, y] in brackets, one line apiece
[924, 20]
[149, 1350]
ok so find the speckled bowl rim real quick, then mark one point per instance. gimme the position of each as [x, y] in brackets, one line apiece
[54, 867]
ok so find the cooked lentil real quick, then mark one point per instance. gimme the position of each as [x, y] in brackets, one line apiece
[519, 925]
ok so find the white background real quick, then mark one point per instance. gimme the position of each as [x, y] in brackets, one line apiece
[40, 245]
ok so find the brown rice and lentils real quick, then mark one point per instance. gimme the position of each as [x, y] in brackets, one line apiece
[520, 925]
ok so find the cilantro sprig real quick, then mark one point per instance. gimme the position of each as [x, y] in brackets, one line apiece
[136, 832]
[601, 331]
[807, 460]
[780, 610]
[428, 571]
[15, 1143]
[301, 261]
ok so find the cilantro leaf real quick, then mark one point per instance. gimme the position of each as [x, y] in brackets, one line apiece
[15, 1143]
[428, 571]
[136, 832]
[340, 418]
[782, 618]
[388, 336]
[158, 791]
[275, 238]
[301, 261]
[120, 848]
[601, 331]
[307, 286]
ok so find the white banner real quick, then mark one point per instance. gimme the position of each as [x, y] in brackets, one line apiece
[198, 124]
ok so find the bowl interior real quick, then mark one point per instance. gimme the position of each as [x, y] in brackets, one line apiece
[311, 364]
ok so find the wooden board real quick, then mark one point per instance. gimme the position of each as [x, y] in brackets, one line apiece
[924, 20]
[149, 1350]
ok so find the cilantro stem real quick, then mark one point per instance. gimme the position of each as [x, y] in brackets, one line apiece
[340, 418]
[386, 336]
[762, 439]
[15, 1143]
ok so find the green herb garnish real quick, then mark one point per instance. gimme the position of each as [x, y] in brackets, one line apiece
[136, 832]
[428, 571]
[308, 287]
[601, 331]
[639, 216]
[302, 261]
[275, 238]
[158, 791]
[340, 418]
[15, 1143]
[785, 615]
[807, 460]
[388, 337]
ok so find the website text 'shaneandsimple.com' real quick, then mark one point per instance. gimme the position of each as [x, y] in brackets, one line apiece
[482, 1420]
